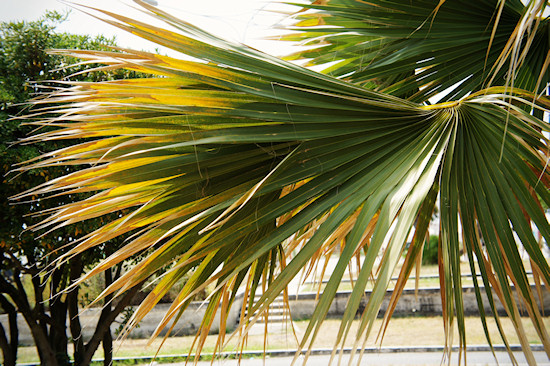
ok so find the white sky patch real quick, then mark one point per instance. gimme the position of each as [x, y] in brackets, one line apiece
[244, 21]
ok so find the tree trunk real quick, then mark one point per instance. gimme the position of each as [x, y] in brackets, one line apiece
[9, 346]
[76, 331]
[74, 319]
[41, 341]
[58, 327]
[107, 317]
[33, 319]
[8, 357]
[107, 348]
[108, 337]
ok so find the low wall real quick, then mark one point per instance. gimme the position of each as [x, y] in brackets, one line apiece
[428, 302]
[188, 324]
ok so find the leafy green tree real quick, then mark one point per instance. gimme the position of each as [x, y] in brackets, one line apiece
[45, 301]
[247, 168]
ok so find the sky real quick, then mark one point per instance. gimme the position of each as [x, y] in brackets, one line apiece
[245, 21]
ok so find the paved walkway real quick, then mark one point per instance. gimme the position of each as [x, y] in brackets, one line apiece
[386, 359]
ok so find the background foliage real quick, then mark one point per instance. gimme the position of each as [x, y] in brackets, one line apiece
[24, 256]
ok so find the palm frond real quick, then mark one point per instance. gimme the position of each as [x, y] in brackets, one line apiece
[242, 169]
[417, 50]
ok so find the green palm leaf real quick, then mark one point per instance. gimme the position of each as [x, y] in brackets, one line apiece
[417, 50]
[225, 166]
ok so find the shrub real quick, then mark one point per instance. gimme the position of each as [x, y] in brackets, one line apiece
[429, 253]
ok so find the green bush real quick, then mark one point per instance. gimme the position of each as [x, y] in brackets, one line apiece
[429, 253]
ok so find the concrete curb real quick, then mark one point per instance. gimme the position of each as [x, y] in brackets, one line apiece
[320, 351]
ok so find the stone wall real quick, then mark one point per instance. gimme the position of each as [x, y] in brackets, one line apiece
[427, 302]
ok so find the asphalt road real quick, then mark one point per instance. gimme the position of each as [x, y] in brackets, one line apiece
[399, 358]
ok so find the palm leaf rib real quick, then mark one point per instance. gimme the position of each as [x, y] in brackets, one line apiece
[242, 169]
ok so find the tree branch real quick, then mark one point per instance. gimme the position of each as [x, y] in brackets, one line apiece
[106, 319]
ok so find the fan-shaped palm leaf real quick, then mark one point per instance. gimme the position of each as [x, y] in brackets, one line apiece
[227, 164]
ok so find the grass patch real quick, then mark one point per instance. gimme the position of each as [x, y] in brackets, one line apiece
[405, 331]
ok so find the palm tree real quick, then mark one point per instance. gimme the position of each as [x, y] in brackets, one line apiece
[243, 169]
